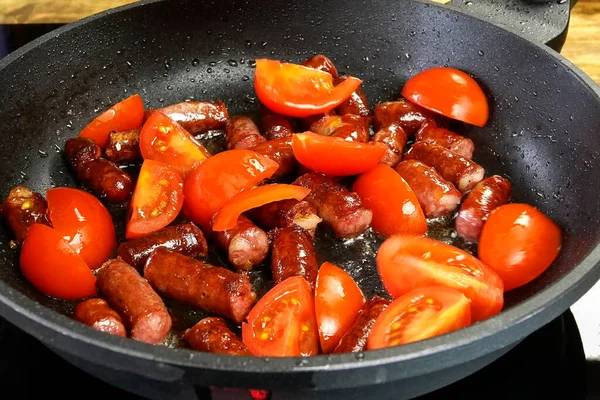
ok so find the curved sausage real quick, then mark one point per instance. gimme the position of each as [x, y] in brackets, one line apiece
[212, 335]
[437, 196]
[212, 289]
[79, 151]
[394, 137]
[197, 116]
[321, 62]
[404, 113]
[356, 104]
[430, 133]
[348, 127]
[355, 340]
[23, 208]
[98, 314]
[143, 311]
[242, 133]
[463, 173]
[108, 181]
[284, 213]
[341, 209]
[186, 239]
[490, 193]
[293, 254]
[124, 147]
[307, 122]
[280, 151]
[247, 245]
[275, 126]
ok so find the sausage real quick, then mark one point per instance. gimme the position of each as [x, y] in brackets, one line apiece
[275, 126]
[321, 62]
[463, 173]
[186, 239]
[143, 311]
[197, 117]
[79, 151]
[437, 196]
[108, 181]
[293, 254]
[242, 133]
[212, 289]
[490, 193]
[247, 245]
[124, 147]
[356, 104]
[348, 127]
[394, 137]
[212, 335]
[280, 151]
[341, 209]
[355, 339]
[307, 122]
[98, 314]
[430, 133]
[23, 208]
[281, 214]
[404, 113]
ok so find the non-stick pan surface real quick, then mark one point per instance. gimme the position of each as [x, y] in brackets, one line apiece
[542, 135]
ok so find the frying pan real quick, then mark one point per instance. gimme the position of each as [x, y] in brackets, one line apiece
[542, 135]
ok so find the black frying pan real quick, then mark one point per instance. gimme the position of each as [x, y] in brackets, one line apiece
[542, 134]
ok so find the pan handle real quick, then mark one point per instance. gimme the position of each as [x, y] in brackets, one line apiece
[541, 21]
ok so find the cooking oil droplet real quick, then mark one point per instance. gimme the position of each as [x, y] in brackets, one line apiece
[232, 63]
[209, 70]
[245, 78]
[247, 44]
[42, 154]
[24, 176]
[263, 44]
[359, 356]
[167, 65]
[252, 64]
[169, 87]
[468, 3]
[481, 53]
[195, 62]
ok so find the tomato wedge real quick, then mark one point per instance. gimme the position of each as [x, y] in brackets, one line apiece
[298, 91]
[123, 116]
[408, 262]
[164, 140]
[282, 323]
[395, 206]
[338, 299]
[449, 92]
[335, 156]
[51, 265]
[248, 199]
[156, 200]
[418, 315]
[83, 222]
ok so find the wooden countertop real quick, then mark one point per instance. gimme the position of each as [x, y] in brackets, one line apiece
[582, 46]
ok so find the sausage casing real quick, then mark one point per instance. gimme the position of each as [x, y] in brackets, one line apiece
[247, 245]
[108, 181]
[124, 147]
[79, 151]
[242, 133]
[280, 214]
[280, 151]
[404, 113]
[23, 208]
[212, 335]
[355, 340]
[430, 133]
[322, 63]
[275, 126]
[356, 104]
[394, 137]
[293, 254]
[197, 117]
[348, 127]
[98, 314]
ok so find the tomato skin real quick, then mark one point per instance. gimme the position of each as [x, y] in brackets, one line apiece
[519, 242]
[421, 314]
[449, 92]
[286, 318]
[50, 264]
[408, 262]
[396, 209]
[123, 116]
[338, 299]
[298, 91]
[84, 223]
[158, 189]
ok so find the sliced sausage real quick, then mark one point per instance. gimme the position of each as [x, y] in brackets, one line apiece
[79, 151]
[280, 151]
[23, 208]
[404, 113]
[430, 133]
[281, 214]
[355, 340]
[242, 133]
[108, 181]
[394, 137]
[307, 122]
[348, 127]
[246, 245]
[124, 147]
[321, 62]
[197, 116]
[275, 126]
[98, 314]
[212, 335]
[293, 254]
[356, 104]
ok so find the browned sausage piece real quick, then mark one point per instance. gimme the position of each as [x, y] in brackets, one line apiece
[212, 335]
[404, 113]
[98, 314]
[430, 133]
[212, 289]
[23, 208]
[437, 196]
[79, 151]
[490, 193]
[322, 63]
[395, 139]
[355, 339]
[341, 209]
[108, 181]
[348, 127]
[463, 173]
[280, 214]
[356, 104]
[124, 147]
[307, 122]
[280, 151]
[275, 126]
[293, 254]
[197, 116]
[143, 311]
[186, 239]
[246, 245]
[242, 133]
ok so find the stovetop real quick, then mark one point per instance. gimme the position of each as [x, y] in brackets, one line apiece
[561, 360]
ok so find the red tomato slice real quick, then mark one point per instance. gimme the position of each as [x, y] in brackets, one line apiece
[338, 299]
[50, 264]
[335, 156]
[166, 141]
[395, 206]
[407, 262]
[519, 243]
[282, 323]
[418, 315]
[248, 199]
[449, 92]
[299, 91]
[220, 178]
[123, 116]
[83, 222]
[156, 201]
